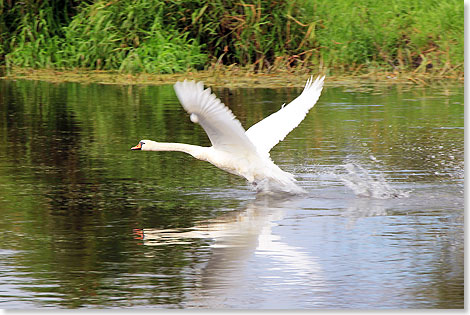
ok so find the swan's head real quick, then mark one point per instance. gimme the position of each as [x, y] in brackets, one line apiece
[140, 145]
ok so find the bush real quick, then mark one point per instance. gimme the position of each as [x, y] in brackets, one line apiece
[163, 36]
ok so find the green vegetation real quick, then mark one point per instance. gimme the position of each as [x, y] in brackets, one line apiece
[162, 36]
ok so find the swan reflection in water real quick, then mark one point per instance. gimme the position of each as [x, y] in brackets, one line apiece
[246, 254]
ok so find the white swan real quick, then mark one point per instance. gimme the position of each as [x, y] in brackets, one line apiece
[245, 154]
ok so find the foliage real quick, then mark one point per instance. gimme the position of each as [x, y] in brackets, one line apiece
[163, 36]
[105, 35]
[403, 34]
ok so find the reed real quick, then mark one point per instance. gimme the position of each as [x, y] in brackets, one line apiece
[163, 36]
[399, 35]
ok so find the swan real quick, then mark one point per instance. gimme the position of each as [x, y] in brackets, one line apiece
[240, 152]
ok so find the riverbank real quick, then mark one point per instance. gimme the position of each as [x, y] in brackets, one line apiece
[233, 77]
[398, 40]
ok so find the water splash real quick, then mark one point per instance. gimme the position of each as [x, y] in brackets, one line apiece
[364, 184]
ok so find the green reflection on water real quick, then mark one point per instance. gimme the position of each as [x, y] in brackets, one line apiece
[72, 193]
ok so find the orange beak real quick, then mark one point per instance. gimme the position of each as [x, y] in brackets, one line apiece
[137, 147]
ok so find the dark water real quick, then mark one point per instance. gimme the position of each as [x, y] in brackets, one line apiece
[85, 222]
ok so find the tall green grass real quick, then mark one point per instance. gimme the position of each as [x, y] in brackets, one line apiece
[129, 36]
[121, 35]
[163, 36]
[396, 34]
[29, 33]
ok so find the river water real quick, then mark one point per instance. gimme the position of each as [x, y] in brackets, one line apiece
[88, 223]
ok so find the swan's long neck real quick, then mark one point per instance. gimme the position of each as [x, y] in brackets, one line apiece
[193, 150]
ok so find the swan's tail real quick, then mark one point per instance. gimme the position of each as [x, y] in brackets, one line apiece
[269, 187]
[278, 182]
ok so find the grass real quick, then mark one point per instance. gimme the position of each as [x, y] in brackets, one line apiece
[390, 38]
[230, 77]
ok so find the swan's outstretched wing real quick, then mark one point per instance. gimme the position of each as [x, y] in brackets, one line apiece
[274, 128]
[224, 130]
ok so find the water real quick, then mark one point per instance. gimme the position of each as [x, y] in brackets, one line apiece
[88, 223]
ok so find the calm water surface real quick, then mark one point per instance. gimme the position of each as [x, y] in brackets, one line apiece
[85, 222]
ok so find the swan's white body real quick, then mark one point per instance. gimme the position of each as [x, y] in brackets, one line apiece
[238, 152]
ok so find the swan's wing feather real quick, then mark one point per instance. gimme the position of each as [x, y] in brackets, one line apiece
[223, 129]
[274, 128]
